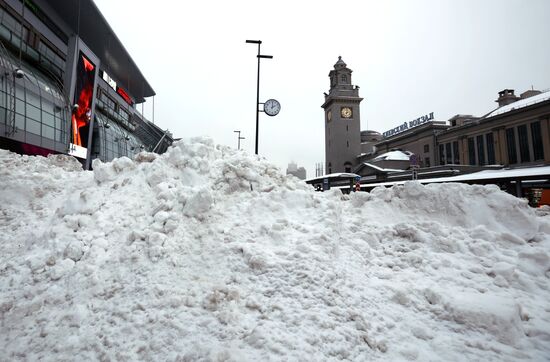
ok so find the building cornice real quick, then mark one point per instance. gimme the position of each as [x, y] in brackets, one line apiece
[337, 99]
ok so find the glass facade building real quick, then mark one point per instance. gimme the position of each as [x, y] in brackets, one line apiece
[55, 96]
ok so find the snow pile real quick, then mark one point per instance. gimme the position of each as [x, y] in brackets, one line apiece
[207, 253]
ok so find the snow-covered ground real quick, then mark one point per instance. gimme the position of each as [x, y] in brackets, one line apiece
[207, 253]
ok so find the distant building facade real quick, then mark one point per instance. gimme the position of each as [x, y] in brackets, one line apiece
[67, 84]
[294, 170]
[517, 133]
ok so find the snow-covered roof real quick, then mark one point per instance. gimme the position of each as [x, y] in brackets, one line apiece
[394, 156]
[334, 175]
[380, 168]
[544, 96]
[542, 171]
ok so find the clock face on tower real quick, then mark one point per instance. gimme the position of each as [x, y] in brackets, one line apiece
[346, 112]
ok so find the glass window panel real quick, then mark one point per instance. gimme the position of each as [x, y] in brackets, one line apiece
[19, 121]
[126, 116]
[47, 102]
[15, 39]
[19, 91]
[58, 122]
[4, 32]
[536, 136]
[47, 132]
[33, 126]
[48, 119]
[33, 112]
[471, 151]
[456, 157]
[490, 149]
[523, 143]
[511, 146]
[33, 98]
[441, 154]
[480, 150]
[19, 106]
[448, 154]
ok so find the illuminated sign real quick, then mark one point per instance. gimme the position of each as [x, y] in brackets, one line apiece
[109, 80]
[121, 92]
[124, 95]
[405, 126]
[82, 109]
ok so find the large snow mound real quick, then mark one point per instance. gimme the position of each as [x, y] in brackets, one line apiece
[207, 253]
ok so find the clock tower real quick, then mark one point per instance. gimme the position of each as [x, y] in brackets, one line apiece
[342, 121]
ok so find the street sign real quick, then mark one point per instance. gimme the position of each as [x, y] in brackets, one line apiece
[414, 160]
[325, 184]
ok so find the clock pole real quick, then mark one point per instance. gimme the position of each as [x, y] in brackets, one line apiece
[259, 42]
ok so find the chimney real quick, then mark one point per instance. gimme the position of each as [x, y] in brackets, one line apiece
[529, 93]
[506, 97]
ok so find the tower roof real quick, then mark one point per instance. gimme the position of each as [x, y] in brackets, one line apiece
[340, 64]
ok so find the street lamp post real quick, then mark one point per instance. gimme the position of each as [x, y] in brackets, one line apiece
[239, 138]
[259, 42]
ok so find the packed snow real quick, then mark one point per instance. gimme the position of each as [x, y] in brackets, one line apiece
[208, 253]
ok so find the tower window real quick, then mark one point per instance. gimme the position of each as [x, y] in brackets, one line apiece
[347, 167]
[347, 143]
[344, 78]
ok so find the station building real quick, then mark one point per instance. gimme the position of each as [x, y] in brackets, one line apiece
[508, 146]
[68, 85]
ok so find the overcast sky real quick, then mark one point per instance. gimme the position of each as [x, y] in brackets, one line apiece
[409, 58]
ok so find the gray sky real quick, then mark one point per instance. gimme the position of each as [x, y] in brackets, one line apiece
[409, 58]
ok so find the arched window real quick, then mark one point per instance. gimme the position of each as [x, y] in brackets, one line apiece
[347, 167]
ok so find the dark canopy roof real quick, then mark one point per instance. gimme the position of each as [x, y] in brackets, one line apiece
[102, 40]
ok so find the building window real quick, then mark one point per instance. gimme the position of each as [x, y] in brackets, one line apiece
[347, 128]
[347, 142]
[448, 154]
[441, 154]
[471, 151]
[426, 148]
[480, 150]
[456, 158]
[347, 167]
[344, 78]
[523, 143]
[511, 146]
[490, 149]
[427, 162]
[536, 137]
